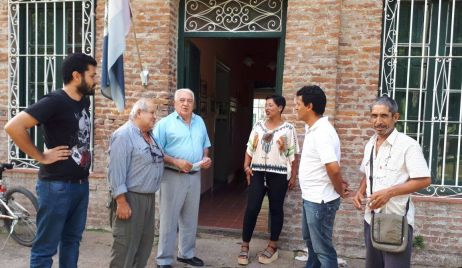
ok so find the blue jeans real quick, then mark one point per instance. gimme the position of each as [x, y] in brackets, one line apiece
[317, 227]
[60, 221]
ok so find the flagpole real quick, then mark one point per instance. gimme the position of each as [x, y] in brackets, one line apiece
[134, 34]
[143, 72]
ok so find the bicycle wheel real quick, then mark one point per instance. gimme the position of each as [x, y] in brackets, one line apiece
[24, 205]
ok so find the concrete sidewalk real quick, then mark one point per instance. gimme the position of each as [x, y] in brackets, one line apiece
[216, 250]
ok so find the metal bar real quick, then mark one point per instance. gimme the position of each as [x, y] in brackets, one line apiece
[384, 46]
[36, 55]
[395, 47]
[26, 58]
[92, 19]
[45, 55]
[73, 27]
[64, 29]
[459, 138]
[406, 107]
[92, 99]
[53, 85]
[18, 51]
[448, 94]
[435, 83]
[48, 1]
[426, 57]
[82, 28]
[3, 203]
[448, 90]
[422, 67]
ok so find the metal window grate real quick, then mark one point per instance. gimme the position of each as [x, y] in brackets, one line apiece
[41, 34]
[233, 16]
[422, 70]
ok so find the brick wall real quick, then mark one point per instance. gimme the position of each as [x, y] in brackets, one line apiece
[312, 46]
[336, 44]
[156, 27]
[333, 43]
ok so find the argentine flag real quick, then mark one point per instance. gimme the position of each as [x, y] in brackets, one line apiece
[117, 26]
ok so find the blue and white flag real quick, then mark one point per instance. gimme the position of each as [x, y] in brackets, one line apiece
[117, 26]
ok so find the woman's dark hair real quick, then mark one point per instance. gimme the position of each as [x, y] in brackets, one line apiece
[315, 96]
[76, 62]
[279, 100]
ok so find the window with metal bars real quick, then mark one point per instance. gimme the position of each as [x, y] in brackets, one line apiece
[421, 68]
[41, 34]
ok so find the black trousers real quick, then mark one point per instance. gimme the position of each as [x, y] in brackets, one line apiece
[276, 189]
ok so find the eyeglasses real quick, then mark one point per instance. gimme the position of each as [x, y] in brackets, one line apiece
[156, 153]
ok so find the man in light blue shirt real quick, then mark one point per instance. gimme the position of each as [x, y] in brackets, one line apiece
[135, 170]
[183, 137]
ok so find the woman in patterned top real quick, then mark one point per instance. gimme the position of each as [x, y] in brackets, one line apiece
[270, 169]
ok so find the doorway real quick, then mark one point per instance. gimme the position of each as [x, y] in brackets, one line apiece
[227, 75]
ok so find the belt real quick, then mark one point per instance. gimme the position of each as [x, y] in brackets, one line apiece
[330, 202]
[174, 169]
[80, 181]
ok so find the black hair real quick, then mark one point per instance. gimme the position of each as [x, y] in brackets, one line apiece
[314, 95]
[279, 100]
[76, 62]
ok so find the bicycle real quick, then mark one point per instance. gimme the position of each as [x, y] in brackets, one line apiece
[18, 210]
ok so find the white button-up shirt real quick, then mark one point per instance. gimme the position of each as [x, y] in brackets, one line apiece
[399, 159]
[320, 147]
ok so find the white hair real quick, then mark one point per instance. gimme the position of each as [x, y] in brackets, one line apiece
[187, 90]
[140, 105]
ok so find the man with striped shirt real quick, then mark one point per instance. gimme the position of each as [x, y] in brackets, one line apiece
[135, 170]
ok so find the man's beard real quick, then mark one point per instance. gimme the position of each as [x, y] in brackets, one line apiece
[85, 90]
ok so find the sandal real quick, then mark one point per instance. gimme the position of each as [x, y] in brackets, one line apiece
[268, 255]
[243, 258]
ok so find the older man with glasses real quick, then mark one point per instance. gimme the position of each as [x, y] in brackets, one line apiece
[135, 170]
[183, 136]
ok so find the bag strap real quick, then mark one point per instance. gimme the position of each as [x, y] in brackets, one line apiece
[371, 168]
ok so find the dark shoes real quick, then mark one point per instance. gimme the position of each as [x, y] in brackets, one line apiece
[194, 261]
[164, 266]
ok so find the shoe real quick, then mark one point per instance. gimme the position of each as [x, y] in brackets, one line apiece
[267, 257]
[194, 261]
[164, 266]
[243, 258]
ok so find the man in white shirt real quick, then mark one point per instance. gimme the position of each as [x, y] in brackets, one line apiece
[399, 169]
[320, 178]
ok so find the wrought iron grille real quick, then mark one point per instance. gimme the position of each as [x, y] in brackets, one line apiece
[40, 34]
[233, 15]
[422, 70]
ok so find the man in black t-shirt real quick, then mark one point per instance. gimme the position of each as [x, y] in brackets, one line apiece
[62, 187]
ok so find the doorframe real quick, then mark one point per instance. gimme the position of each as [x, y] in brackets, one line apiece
[182, 35]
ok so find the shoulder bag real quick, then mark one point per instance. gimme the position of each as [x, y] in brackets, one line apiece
[389, 232]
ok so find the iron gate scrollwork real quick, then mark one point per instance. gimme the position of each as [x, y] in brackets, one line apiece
[233, 16]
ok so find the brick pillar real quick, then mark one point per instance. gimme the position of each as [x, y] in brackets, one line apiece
[311, 55]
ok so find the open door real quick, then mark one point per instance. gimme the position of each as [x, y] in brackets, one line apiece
[223, 132]
[192, 71]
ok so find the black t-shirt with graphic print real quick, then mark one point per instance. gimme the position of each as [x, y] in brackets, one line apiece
[64, 122]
